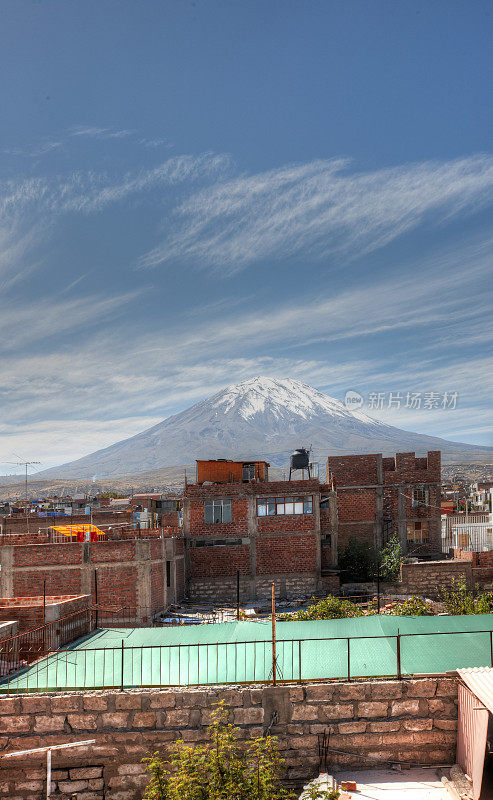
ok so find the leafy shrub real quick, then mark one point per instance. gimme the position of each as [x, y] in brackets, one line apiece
[391, 560]
[328, 608]
[359, 561]
[413, 607]
[315, 793]
[220, 769]
[459, 600]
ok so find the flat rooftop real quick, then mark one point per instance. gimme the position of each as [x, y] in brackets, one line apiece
[241, 652]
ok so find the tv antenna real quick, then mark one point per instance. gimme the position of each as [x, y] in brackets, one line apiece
[25, 464]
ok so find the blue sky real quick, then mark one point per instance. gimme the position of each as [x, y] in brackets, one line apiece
[194, 193]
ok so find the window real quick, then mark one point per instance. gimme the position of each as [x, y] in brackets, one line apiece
[421, 496]
[217, 511]
[417, 532]
[270, 506]
[216, 542]
[168, 574]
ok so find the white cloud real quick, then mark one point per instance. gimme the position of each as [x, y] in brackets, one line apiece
[94, 132]
[317, 209]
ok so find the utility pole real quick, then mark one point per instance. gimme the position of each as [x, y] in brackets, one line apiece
[25, 464]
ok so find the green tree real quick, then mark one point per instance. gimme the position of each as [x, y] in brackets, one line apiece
[221, 769]
[328, 608]
[359, 561]
[390, 562]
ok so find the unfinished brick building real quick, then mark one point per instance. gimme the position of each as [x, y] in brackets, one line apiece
[378, 497]
[268, 531]
[144, 575]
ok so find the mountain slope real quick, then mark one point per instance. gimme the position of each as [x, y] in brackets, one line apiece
[259, 418]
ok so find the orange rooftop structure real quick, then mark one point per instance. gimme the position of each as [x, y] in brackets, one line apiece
[223, 470]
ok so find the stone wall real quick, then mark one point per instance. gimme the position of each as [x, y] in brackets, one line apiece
[428, 577]
[412, 721]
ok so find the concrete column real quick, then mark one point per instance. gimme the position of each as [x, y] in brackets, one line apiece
[334, 528]
[318, 543]
[6, 573]
[252, 533]
[401, 516]
[143, 559]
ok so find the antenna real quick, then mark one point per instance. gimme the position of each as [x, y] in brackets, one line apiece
[25, 464]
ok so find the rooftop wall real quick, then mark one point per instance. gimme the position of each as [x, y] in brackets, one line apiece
[413, 721]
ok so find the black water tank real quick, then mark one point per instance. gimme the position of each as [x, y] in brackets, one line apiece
[300, 459]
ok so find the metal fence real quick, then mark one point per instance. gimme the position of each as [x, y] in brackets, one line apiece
[21, 650]
[473, 532]
[250, 662]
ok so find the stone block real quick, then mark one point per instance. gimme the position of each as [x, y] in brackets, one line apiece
[303, 712]
[424, 688]
[10, 705]
[95, 702]
[352, 727]
[445, 724]
[320, 693]
[126, 702]
[131, 769]
[248, 716]
[352, 691]
[144, 719]
[400, 707]
[32, 704]
[17, 724]
[387, 690]
[162, 700]
[447, 687]
[385, 726]
[417, 724]
[197, 699]
[296, 694]
[72, 787]
[29, 786]
[83, 722]
[178, 718]
[117, 719]
[65, 704]
[77, 773]
[333, 711]
[376, 708]
[49, 724]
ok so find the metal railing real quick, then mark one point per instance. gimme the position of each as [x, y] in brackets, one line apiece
[21, 650]
[249, 662]
[467, 532]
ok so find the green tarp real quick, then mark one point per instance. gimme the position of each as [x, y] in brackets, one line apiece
[235, 652]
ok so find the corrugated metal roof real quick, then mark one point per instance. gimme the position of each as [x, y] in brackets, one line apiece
[480, 681]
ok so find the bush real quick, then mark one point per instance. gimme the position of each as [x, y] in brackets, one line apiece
[220, 769]
[359, 561]
[328, 608]
[459, 600]
[391, 560]
[413, 607]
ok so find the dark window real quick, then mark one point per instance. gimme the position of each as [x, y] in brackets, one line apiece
[421, 496]
[168, 574]
[270, 506]
[217, 511]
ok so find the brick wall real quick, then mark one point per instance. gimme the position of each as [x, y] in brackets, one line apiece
[131, 573]
[30, 613]
[409, 721]
[285, 549]
[375, 498]
[19, 524]
[428, 577]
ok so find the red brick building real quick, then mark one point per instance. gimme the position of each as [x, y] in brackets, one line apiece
[144, 575]
[377, 497]
[268, 531]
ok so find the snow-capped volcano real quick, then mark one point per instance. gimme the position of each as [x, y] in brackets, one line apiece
[257, 418]
[280, 398]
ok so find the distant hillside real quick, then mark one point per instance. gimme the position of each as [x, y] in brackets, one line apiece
[259, 418]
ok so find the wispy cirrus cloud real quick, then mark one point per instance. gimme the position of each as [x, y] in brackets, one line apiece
[94, 132]
[316, 209]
